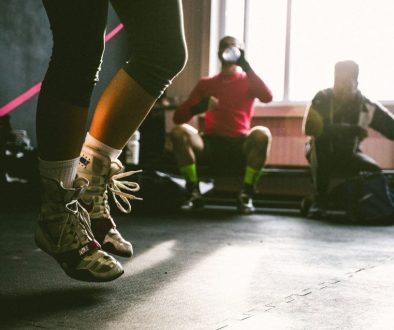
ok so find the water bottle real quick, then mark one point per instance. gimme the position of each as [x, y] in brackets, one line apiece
[231, 54]
[133, 149]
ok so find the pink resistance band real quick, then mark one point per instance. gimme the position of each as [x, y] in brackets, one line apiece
[27, 95]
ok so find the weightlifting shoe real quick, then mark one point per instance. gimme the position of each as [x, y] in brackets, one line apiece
[245, 203]
[103, 178]
[318, 209]
[63, 231]
[194, 201]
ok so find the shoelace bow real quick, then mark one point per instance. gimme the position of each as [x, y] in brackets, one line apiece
[116, 186]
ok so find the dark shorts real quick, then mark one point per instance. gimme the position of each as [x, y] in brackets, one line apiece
[223, 155]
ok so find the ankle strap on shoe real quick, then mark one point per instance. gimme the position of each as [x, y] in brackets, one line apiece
[71, 259]
[91, 246]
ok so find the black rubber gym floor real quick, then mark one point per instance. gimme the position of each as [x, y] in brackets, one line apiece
[208, 270]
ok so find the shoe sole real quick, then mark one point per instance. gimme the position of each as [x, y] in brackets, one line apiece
[81, 275]
[86, 276]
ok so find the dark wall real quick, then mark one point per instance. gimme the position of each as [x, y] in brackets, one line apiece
[25, 47]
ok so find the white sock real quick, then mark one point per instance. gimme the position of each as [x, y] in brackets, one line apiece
[61, 171]
[102, 148]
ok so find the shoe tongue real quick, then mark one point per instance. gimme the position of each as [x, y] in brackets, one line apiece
[116, 167]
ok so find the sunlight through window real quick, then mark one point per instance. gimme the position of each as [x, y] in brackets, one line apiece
[324, 32]
[321, 33]
[234, 21]
[265, 43]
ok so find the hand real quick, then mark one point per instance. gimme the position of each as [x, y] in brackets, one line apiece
[213, 103]
[243, 63]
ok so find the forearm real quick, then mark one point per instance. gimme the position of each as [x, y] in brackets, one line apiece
[182, 115]
[312, 123]
[258, 88]
[383, 122]
[317, 129]
[184, 112]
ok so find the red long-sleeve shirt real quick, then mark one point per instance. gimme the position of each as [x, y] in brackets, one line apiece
[236, 94]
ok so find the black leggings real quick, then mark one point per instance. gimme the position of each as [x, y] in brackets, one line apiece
[155, 34]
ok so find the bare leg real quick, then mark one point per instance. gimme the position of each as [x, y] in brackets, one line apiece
[257, 147]
[186, 144]
[120, 111]
[157, 55]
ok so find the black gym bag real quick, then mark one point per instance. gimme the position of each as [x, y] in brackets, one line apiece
[369, 200]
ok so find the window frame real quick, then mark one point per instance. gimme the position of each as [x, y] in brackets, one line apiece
[218, 22]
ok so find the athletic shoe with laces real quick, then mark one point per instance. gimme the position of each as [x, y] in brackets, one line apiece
[103, 176]
[194, 201]
[318, 209]
[63, 231]
[245, 203]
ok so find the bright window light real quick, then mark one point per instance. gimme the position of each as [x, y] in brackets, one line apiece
[322, 32]
[234, 19]
[265, 43]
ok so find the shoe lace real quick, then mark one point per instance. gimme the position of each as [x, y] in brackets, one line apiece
[76, 211]
[116, 186]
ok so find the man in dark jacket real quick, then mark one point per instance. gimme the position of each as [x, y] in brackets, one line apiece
[337, 122]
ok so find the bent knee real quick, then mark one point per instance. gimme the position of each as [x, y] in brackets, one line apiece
[178, 134]
[260, 135]
[154, 69]
[172, 61]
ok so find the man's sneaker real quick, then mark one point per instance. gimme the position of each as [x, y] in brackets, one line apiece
[63, 231]
[245, 203]
[317, 210]
[103, 177]
[194, 201]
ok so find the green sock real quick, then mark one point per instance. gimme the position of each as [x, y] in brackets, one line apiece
[189, 172]
[251, 175]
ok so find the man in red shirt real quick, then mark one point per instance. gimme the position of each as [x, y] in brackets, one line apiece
[227, 99]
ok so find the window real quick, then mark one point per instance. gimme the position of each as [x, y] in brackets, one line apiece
[234, 21]
[294, 44]
[266, 40]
